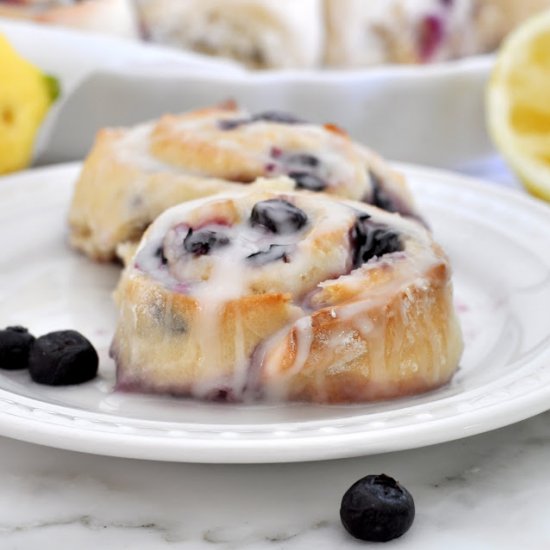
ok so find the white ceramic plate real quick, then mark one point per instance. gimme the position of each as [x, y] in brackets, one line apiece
[498, 242]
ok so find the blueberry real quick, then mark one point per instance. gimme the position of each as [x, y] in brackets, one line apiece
[369, 239]
[380, 197]
[377, 509]
[268, 116]
[431, 33]
[167, 319]
[278, 117]
[201, 242]
[15, 344]
[385, 199]
[159, 253]
[231, 124]
[272, 254]
[222, 395]
[278, 216]
[62, 358]
[307, 181]
[303, 159]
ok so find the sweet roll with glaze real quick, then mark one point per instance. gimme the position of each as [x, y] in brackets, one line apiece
[132, 175]
[285, 296]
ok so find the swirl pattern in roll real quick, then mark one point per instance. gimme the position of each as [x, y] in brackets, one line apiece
[285, 296]
[132, 175]
[261, 34]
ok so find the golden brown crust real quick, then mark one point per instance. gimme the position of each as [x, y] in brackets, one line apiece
[201, 154]
[411, 344]
[114, 200]
[158, 327]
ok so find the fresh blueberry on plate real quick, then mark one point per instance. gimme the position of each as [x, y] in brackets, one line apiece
[15, 344]
[62, 358]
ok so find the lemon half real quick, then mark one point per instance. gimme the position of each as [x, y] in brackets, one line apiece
[518, 104]
[26, 94]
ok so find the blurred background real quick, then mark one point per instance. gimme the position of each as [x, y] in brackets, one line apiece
[406, 77]
[263, 34]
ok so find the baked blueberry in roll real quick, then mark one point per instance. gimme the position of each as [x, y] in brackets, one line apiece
[285, 296]
[132, 175]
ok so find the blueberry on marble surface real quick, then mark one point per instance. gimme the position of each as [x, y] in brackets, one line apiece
[203, 241]
[15, 345]
[377, 509]
[370, 239]
[62, 358]
[278, 216]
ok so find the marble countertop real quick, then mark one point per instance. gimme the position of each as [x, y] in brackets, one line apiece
[485, 492]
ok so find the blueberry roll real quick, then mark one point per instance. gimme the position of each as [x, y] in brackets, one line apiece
[132, 175]
[261, 34]
[285, 296]
[363, 33]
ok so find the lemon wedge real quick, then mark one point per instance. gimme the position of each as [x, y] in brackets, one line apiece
[26, 94]
[518, 104]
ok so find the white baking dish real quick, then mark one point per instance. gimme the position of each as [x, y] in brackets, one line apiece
[430, 114]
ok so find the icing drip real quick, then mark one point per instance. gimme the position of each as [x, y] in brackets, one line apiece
[302, 340]
[225, 284]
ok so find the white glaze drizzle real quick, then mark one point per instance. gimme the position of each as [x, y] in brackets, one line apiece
[344, 165]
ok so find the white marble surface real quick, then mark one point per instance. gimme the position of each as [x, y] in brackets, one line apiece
[485, 492]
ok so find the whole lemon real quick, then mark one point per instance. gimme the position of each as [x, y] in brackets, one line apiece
[26, 94]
